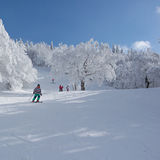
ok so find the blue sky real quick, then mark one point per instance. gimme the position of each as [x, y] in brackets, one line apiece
[128, 23]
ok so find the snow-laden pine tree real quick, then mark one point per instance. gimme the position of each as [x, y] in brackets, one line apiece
[16, 69]
[51, 45]
[117, 49]
[113, 48]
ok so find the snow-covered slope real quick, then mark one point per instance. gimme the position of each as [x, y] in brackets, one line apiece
[97, 124]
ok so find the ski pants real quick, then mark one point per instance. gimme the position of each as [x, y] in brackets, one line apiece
[35, 96]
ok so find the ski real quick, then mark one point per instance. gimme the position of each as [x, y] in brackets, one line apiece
[37, 102]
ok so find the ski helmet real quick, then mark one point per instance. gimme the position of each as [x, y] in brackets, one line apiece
[38, 85]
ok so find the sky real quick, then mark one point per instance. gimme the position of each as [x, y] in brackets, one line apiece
[130, 24]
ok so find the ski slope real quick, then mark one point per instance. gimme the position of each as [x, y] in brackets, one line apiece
[97, 124]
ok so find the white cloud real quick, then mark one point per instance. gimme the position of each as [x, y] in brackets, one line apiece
[158, 10]
[138, 45]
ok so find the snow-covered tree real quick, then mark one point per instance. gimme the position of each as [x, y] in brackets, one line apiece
[16, 69]
[87, 64]
[117, 49]
[51, 45]
[113, 48]
[38, 53]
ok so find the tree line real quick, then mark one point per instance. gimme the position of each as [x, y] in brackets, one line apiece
[91, 62]
[82, 64]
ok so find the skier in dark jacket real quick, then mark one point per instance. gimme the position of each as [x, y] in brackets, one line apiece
[37, 93]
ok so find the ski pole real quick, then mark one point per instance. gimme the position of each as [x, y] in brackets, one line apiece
[30, 98]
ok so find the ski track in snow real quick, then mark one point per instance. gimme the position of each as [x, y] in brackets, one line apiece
[95, 124]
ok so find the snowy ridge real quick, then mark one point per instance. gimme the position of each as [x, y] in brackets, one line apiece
[97, 124]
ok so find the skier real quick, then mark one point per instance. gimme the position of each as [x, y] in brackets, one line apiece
[60, 88]
[37, 92]
[67, 88]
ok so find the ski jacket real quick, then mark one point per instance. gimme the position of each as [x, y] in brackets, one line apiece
[37, 91]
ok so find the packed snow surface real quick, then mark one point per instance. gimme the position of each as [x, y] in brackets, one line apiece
[100, 123]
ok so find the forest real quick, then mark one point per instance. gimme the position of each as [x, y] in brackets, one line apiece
[83, 64]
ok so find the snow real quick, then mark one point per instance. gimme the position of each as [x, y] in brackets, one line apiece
[100, 123]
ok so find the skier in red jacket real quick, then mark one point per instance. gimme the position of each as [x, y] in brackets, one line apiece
[60, 88]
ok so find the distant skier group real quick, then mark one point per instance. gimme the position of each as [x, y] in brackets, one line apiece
[61, 88]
